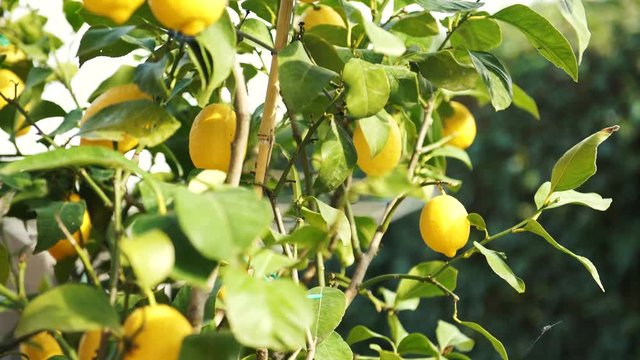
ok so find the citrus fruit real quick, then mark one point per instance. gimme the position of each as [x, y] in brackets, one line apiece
[41, 346]
[10, 86]
[12, 54]
[117, 10]
[461, 125]
[321, 15]
[155, 332]
[211, 136]
[89, 345]
[63, 248]
[444, 226]
[115, 95]
[18, 126]
[386, 159]
[189, 17]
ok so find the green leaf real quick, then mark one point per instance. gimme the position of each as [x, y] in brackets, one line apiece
[338, 157]
[236, 216]
[150, 255]
[573, 12]
[361, 333]
[104, 42]
[68, 308]
[49, 233]
[403, 85]
[578, 164]
[271, 314]
[265, 9]
[300, 80]
[256, 29]
[497, 264]
[333, 348]
[452, 152]
[417, 24]
[383, 41]
[124, 75]
[417, 344]
[535, 227]
[70, 121]
[368, 88]
[448, 5]
[306, 236]
[495, 77]
[477, 221]
[5, 264]
[398, 332]
[445, 71]
[549, 42]
[525, 102]
[329, 305]
[497, 345]
[376, 131]
[330, 219]
[561, 198]
[44, 109]
[144, 120]
[323, 53]
[449, 335]
[267, 262]
[149, 77]
[411, 288]
[211, 346]
[482, 34]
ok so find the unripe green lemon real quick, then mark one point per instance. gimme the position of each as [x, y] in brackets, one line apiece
[461, 125]
[117, 10]
[386, 159]
[444, 225]
[321, 15]
[211, 136]
[189, 17]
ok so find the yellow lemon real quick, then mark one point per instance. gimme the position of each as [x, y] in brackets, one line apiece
[12, 54]
[89, 345]
[444, 226]
[115, 95]
[189, 17]
[211, 136]
[41, 346]
[63, 248]
[117, 10]
[10, 86]
[155, 332]
[386, 159]
[461, 125]
[321, 15]
[18, 126]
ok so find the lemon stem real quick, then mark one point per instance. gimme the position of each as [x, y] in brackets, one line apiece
[115, 245]
[151, 297]
[82, 253]
[13, 297]
[68, 351]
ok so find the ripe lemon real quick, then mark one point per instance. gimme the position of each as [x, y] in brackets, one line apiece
[117, 10]
[189, 17]
[211, 136]
[321, 15]
[386, 159]
[444, 226]
[115, 95]
[41, 346]
[461, 125]
[10, 86]
[12, 54]
[89, 345]
[63, 248]
[155, 332]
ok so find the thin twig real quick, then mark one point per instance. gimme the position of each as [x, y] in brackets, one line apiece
[424, 129]
[82, 253]
[199, 296]
[262, 354]
[430, 279]
[311, 346]
[243, 115]
[242, 34]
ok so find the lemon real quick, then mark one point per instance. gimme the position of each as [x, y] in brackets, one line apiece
[41, 346]
[12, 54]
[321, 15]
[211, 136]
[189, 17]
[63, 248]
[155, 332]
[89, 345]
[10, 86]
[386, 159]
[18, 126]
[117, 10]
[444, 226]
[115, 95]
[461, 125]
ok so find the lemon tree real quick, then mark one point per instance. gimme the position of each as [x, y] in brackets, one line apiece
[201, 201]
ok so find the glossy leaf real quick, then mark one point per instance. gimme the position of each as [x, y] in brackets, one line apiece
[495, 77]
[333, 348]
[497, 345]
[578, 164]
[573, 12]
[267, 262]
[329, 305]
[561, 198]
[477, 221]
[383, 41]
[104, 42]
[497, 264]
[256, 29]
[361, 333]
[418, 24]
[306, 236]
[338, 157]
[368, 88]
[210, 345]
[376, 131]
[448, 5]
[49, 232]
[525, 102]
[323, 53]
[444, 70]
[272, 314]
[417, 344]
[149, 77]
[449, 335]
[236, 217]
[150, 255]
[68, 308]
[535, 227]
[482, 34]
[330, 219]
[452, 152]
[549, 42]
[403, 85]
[411, 288]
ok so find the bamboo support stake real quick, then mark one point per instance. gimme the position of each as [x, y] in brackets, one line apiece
[265, 134]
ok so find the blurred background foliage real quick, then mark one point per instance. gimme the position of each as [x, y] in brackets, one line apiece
[512, 156]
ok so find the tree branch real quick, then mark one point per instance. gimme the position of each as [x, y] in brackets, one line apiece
[243, 115]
